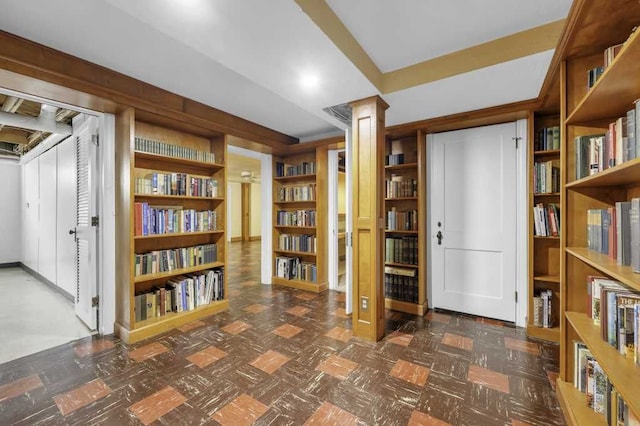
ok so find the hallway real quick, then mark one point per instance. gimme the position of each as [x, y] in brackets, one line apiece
[283, 356]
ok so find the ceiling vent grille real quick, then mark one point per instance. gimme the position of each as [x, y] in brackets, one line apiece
[341, 112]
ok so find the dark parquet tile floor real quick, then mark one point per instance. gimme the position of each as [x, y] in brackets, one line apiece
[280, 356]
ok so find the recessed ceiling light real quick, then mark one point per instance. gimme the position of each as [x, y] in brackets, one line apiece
[309, 81]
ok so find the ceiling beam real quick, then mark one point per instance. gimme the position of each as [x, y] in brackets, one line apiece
[514, 46]
[326, 19]
[18, 137]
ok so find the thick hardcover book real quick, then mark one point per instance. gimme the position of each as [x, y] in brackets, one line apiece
[623, 232]
[634, 223]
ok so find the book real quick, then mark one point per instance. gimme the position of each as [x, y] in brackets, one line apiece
[634, 224]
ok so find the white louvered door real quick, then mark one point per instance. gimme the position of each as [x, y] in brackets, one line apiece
[86, 234]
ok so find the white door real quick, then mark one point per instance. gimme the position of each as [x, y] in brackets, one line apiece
[66, 216]
[349, 220]
[473, 221]
[86, 233]
[31, 225]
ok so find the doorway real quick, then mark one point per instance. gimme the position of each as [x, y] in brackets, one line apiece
[473, 223]
[55, 252]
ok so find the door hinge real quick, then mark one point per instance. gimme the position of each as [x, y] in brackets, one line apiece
[95, 139]
[95, 221]
[95, 301]
[516, 297]
[349, 239]
[517, 139]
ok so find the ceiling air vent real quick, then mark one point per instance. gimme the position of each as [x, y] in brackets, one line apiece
[341, 112]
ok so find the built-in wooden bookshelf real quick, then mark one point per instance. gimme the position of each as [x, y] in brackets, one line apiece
[300, 209]
[544, 250]
[204, 193]
[405, 223]
[595, 26]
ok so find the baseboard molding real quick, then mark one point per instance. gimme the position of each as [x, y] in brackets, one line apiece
[256, 238]
[47, 282]
[9, 265]
[236, 239]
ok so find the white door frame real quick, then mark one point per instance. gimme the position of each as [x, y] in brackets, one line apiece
[332, 181]
[106, 212]
[349, 219]
[521, 221]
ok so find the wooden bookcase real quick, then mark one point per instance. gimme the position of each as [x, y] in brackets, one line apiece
[141, 165]
[544, 251]
[318, 204]
[408, 195]
[597, 25]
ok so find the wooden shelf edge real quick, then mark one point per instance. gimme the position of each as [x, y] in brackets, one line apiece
[406, 307]
[401, 199]
[622, 174]
[301, 285]
[295, 253]
[624, 274]
[296, 177]
[180, 234]
[546, 194]
[178, 160]
[387, 231]
[547, 278]
[310, 228]
[178, 197]
[175, 272]
[549, 334]
[547, 152]
[401, 166]
[160, 325]
[574, 406]
[623, 372]
[402, 265]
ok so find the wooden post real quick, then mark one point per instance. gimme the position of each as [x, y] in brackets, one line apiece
[368, 210]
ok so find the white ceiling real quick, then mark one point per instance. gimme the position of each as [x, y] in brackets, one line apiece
[248, 57]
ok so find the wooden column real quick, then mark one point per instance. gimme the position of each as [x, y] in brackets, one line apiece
[246, 211]
[368, 216]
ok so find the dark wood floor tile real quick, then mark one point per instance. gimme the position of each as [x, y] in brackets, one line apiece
[446, 384]
[441, 405]
[20, 386]
[536, 415]
[534, 393]
[294, 373]
[246, 377]
[24, 406]
[446, 364]
[295, 407]
[270, 390]
[489, 401]
[388, 412]
[48, 415]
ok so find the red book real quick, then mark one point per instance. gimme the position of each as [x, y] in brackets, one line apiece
[137, 228]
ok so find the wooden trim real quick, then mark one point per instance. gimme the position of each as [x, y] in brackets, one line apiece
[71, 77]
[235, 239]
[246, 210]
[255, 238]
[10, 265]
[503, 49]
[334, 142]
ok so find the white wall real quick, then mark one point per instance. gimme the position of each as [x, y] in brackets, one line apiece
[255, 220]
[48, 228]
[10, 213]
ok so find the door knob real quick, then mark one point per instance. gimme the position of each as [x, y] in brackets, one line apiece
[439, 237]
[72, 231]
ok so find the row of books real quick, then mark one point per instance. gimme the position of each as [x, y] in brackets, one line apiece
[401, 284]
[547, 139]
[543, 313]
[296, 218]
[401, 250]
[615, 231]
[179, 294]
[593, 75]
[402, 220]
[546, 177]
[546, 220]
[176, 184]
[156, 220]
[297, 193]
[600, 394]
[176, 151]
[599, 152]
[401, 187]
[296, 242]
[172, 259]
[304, 168]
[292, 268]
[393, 159]
[616, 309]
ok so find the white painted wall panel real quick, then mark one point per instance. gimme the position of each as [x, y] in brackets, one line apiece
[30, 203]
[48, 229]
[10, 212]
